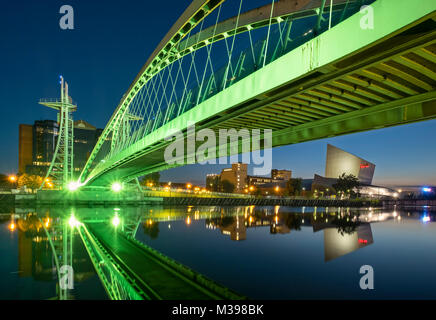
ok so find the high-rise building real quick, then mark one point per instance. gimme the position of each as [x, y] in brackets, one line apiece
[340, 161]
[45, 133]
[85, 138]
[25, 147]
[237, 175]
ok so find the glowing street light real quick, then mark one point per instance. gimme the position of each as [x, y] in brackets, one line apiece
[73, 186]
[13, 178]
[116, 187]
[73, 222]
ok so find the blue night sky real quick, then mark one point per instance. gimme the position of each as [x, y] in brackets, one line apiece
[110, 43]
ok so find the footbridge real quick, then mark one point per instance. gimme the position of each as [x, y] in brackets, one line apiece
[306, 69]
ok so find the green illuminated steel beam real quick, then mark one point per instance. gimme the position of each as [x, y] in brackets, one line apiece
[253, 19]
[270, 84]
[193, 15]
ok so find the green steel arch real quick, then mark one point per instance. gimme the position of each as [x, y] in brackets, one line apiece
[384, 77]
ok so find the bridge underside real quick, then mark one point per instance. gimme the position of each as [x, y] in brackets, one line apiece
[346, 80]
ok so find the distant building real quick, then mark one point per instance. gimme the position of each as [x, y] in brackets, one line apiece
[37, 145]
[45, 133]
[340, 161]
[237, 175]
[212, 182]
[25, 147]
[259, 181]
[281, 174]
[85, 138]
[277, 177]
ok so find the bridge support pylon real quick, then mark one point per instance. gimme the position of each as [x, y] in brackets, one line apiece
[61, 169]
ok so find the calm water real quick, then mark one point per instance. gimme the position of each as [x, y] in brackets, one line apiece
[261, 252]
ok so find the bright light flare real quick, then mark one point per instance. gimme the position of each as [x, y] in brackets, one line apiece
[73, 222]
[426, 219]
[12, 227]
[116, 187]
[73, 186]
[116, 221]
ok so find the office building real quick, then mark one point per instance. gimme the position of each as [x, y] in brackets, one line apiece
[281, 174]
[25, 147]
[237, 175]
[37, 145]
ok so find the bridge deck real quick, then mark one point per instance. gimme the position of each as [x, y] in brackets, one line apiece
[157, 275]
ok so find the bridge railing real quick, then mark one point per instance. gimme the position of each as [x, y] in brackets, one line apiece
[285, 37]
[117, 283]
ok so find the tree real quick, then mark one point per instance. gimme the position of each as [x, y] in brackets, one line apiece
[152, 178]
[32, 182]
[294, 186]
[227, 186]
[346, 184]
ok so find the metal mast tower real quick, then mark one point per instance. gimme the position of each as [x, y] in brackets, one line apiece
[61, 169]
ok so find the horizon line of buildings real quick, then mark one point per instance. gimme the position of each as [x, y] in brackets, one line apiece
[338, 162]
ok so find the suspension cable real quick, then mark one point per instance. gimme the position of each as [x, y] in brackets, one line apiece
[269, 30]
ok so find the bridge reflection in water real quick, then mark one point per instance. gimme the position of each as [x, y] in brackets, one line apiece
[129, 269]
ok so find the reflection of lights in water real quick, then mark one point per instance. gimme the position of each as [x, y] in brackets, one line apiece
[116, 221]
[276, 209]
[188, 221]
[12, 226]
[425, 219]
[169, 226]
